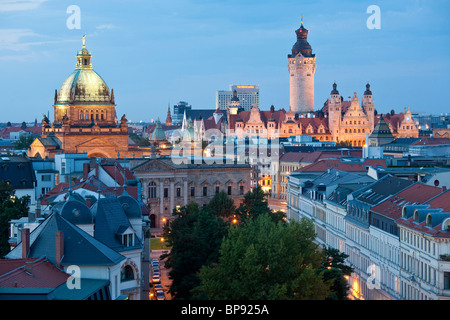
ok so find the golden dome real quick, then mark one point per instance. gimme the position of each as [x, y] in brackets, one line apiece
[84, 85]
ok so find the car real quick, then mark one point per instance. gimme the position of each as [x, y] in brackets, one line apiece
[159, 287]
[156, 278]
[160, 295]
[155, 264]
[156, 272]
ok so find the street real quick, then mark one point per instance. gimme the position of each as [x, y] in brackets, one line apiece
[165, 281]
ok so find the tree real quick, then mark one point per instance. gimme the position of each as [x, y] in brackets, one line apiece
[256, 204]
[195, 236]
[263, 260]
[334, 269]
[222, 205]
[24, 142]
[11, 207]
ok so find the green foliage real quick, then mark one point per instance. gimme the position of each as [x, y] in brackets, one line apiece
[334, 269]
[195, 236]
[11, 207]
[24, 142]
[222, 205]
[256, 204]
[263, 260]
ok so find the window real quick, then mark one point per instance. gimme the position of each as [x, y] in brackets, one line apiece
[152, 190]
[229, 190]
[178, 192]
[241, 190]
[127, 240]
[166, 192]
[46, 177]
[205, 191]
[127, 274]
[217, 189]
[192, 191]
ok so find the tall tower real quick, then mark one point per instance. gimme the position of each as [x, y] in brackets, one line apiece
[302, 66]
[369, 107]
[334, 112]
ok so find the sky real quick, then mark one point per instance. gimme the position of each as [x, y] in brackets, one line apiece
[155, 53]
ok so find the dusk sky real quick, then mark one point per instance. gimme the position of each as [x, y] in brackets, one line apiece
[157, 52]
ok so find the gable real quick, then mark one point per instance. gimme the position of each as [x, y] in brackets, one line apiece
[95, 143]
[153, 165]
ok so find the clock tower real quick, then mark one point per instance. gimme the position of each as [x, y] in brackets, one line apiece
[302, 67]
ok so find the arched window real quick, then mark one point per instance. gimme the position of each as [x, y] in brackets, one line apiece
[127, 274]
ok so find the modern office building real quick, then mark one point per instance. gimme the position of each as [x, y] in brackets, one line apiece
[248, 96]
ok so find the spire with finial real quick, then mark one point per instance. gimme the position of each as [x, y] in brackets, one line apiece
[169, 117]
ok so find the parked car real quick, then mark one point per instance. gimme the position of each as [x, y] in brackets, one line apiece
[156, 278]
[159, 287]
[160, 295]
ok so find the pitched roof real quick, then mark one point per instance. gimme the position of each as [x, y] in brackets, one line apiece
[341, 164]
[18, 171]
[317, 155]
[79, 247]
[417, 193]
[381, 189]
[30, 273]
[431, 142]
[110, 218]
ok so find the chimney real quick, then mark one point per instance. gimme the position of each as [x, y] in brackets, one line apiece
[86, 169]
[59, 248]
[25, 242]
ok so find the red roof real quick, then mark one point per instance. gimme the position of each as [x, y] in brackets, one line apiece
[442, 201]
[30, 273]
[432, 142]
[36, 130]
[312, 157]
[417, 193]
[338, 164]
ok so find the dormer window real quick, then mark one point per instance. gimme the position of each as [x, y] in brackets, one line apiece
[127, 236]
[127, 240]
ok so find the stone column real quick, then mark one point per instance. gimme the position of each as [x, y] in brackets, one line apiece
[172, 196]
[185, 191]
[161, 200]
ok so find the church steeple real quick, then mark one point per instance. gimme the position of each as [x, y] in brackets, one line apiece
[169, 117]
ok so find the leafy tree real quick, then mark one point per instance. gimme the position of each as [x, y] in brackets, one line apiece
[195, 236]
[264, 260]
[11, 207]
[24, 142]
[256, 204]
[222, 205]
[334, 269]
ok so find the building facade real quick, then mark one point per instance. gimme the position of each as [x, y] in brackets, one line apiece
[85, 119]
[167, 185]
[248, 96]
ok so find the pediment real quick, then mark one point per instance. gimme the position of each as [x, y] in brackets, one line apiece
[153, 165]
[95, 143]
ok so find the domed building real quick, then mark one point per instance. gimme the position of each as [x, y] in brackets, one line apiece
[85, 119]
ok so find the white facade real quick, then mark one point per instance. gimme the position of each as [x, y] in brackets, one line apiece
[301, 83]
